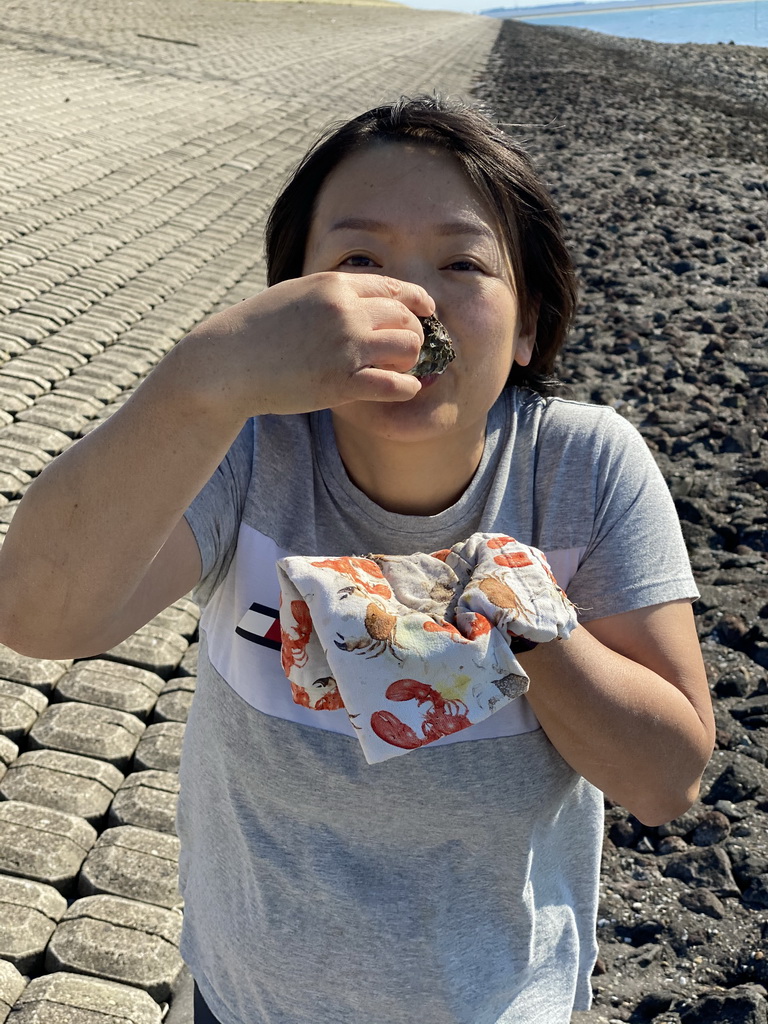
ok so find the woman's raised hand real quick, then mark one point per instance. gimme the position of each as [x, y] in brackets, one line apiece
[315, 342]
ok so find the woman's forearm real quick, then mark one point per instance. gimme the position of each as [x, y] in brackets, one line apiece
[627, 730]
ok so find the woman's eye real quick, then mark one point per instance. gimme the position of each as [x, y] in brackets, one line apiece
[358, 261]
[463, 265]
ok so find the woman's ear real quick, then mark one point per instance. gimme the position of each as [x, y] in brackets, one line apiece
[526, 339]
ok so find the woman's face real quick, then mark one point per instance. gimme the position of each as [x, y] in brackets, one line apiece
[410, 212]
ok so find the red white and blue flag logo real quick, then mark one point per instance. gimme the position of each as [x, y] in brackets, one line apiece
[261, 625]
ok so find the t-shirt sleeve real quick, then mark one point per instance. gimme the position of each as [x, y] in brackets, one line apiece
[636, 555]
[214, 516]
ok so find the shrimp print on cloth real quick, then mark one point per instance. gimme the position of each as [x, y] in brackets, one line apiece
[415, 647]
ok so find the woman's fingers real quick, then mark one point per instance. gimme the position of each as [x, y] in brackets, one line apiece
[391, 350]
[373, 384]
[408, 294]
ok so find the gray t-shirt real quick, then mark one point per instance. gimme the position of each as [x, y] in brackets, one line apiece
[456, 884]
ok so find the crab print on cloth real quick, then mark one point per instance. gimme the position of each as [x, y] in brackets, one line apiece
[417, 647]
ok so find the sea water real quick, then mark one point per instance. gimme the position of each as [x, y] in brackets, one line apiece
[744, 22]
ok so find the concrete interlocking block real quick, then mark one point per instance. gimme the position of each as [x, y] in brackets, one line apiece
[42, 844]
[160, 747]
[12, 399]
[79, 338]
[47, 440]
[102, 390]
[106, 330]
[37, 672]
[53, 361]
[65, 415]
[47, 311]
[8, 754]
[134, 360]
[12, 481]
[119, 940]
[77, 785]
[188, 664]
[103, 733]
[175, 700]
[147, 799]
[100, 369]
[23, 379]
[23, 457]
[36, 368]
[152, 647]
[20, 707]
[29, 328]
[67, 998]
[29, 912]
[181, 617]
[11, 986]
[138, 863]
[110, 684]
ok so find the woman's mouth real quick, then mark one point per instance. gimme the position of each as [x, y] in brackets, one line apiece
[429, 380]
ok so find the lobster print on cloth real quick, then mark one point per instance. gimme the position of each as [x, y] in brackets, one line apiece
[416, 647]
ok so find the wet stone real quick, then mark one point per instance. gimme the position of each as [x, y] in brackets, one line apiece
[119, 940]
[147, 799]
[110, 684]
[36, 672]
[175, 700]
[153, 648]
[65, 782]
[67, 998]
[137, 863]
[160, 747]
[11, 986]
[28, 915]
[89, 730]
[42, 844]
[20, 707]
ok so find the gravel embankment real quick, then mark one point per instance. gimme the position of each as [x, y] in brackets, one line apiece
[656, 155]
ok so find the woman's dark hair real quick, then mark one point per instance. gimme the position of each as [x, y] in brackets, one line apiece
[504, 176]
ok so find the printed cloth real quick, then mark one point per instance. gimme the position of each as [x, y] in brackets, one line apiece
[416, 647]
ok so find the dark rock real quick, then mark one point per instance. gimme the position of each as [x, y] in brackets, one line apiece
[671, 844]
[742, 1005]
[713, 828]
[741, 780]
[702, 901]
[752, 712]
[625, 832]
[757, 894]
[708, 867]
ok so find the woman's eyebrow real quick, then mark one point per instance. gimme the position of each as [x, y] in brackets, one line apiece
[451, 227]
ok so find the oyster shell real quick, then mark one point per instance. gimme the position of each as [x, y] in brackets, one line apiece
[436, 352]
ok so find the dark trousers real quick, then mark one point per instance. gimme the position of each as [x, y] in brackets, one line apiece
[202, 1014]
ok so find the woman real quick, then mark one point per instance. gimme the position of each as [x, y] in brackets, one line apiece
[457, 883]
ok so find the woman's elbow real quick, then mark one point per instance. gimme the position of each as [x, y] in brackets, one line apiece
[666, 806]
